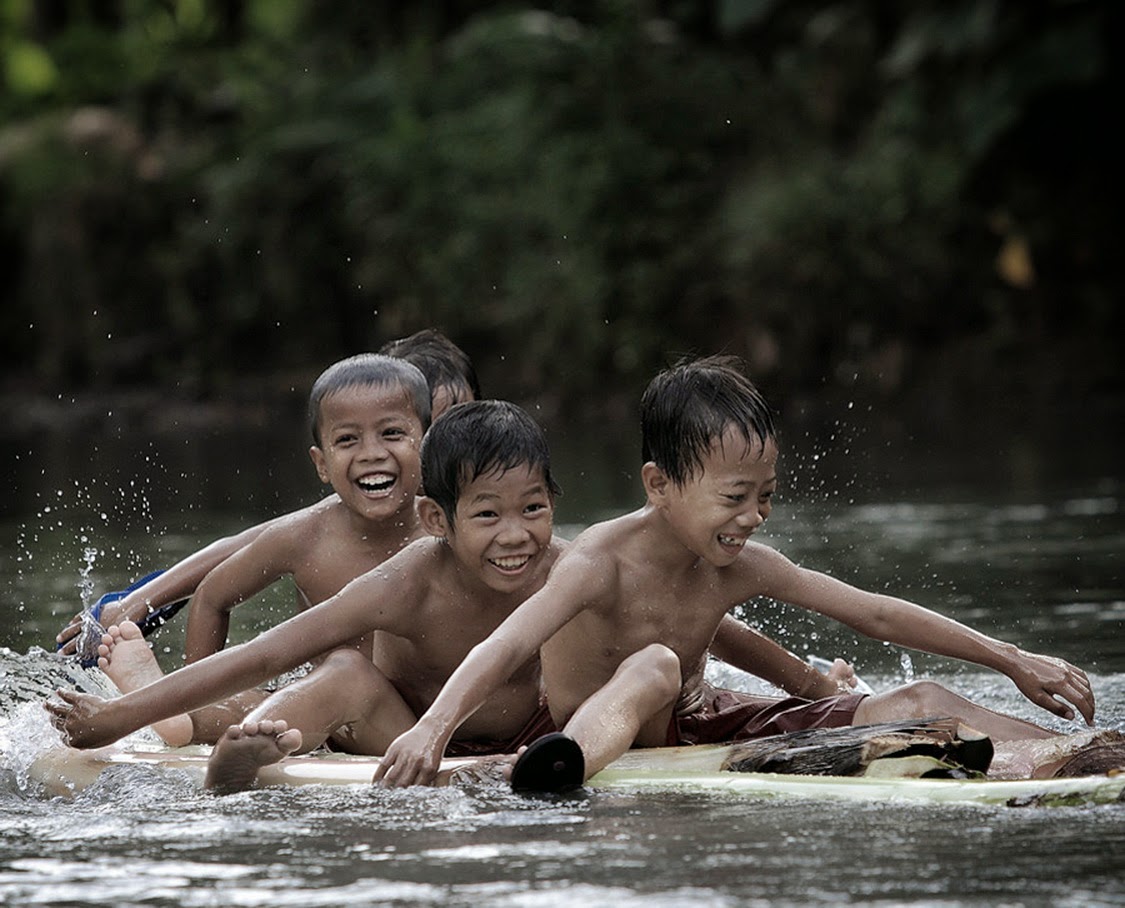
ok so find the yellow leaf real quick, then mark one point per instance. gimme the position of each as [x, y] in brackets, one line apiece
[1013, 263]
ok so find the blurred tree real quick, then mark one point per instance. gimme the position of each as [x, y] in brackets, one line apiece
[840, 192]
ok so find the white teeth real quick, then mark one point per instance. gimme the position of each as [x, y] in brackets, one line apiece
[511, 562]
[730, 540]
[376, 482]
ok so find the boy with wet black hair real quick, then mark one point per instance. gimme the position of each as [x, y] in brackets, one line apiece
[490, 545]
[367, 416]
[632, 605]
[156, 598]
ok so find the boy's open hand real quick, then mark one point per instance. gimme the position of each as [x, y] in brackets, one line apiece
[413, 758]
[68, 636]
[842, 673]
[112, 613]
[76, 717]
[1054, 684]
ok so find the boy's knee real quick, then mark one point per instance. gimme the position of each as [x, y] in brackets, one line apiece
[663, 667]
[928, 696]
[354, 671]
[345, 660]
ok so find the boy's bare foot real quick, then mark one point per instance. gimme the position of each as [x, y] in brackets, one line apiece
[124, 655]
[246, 748]
[127, 660]
[1080, 753]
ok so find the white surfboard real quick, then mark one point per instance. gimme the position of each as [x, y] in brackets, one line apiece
[64, 771]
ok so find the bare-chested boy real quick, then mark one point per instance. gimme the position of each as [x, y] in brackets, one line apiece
[451, 378]
[488, 511]
[367, 415]
[632, 605]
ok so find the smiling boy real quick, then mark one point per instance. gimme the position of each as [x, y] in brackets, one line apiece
[451, 379]
[367, 416]
[632, 605]
[488, 511]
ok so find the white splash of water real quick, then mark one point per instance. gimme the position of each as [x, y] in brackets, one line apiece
[907, 667]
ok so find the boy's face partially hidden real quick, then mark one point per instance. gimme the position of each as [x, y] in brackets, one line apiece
[370, 437]
[502, 526]
[716, 511]
[445, 396]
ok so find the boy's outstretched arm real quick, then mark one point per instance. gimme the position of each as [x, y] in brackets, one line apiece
[1048, 682]
[89, 721]
[176, 583]
[740, 645]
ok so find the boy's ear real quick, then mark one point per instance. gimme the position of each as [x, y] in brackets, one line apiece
[656, 483]
[433, 518]
[317, 456]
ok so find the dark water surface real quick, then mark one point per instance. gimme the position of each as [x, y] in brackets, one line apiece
[1009, 535]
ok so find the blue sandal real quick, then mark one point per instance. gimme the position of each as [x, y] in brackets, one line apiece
[92, 628]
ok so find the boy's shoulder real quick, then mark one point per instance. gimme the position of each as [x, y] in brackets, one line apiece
[316, 516]
[296, 533]
[757, 567]
[605, 533]
[421, 563]
[604, 545]
[425, 559]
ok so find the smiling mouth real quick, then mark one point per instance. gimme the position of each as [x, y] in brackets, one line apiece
[376, 483]
[734, 542]
[510, 563]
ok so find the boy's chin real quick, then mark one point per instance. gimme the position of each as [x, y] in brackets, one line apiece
[385, 507]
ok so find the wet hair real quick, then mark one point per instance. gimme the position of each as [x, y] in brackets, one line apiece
[442, 362]
[369, 369]
[476, 438]
[688, 407]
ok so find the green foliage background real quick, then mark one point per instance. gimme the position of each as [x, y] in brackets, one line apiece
[208, 195]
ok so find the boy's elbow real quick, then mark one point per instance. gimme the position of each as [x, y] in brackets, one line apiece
[879, 624]
[205, 602]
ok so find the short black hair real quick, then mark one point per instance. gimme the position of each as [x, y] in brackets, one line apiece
[369, 369]
[686, 408]
[441, 361]
[475, 438]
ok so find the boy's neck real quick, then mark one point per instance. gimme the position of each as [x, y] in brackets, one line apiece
[663, 545]
[394, 531]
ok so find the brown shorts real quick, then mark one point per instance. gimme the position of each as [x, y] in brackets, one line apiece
[729, 715]
[538, 725]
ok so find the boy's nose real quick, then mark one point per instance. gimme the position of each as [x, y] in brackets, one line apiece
[751, 520]
[512, 532]
[373, 449]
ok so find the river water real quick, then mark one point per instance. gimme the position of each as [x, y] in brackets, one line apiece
[1015, 535]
